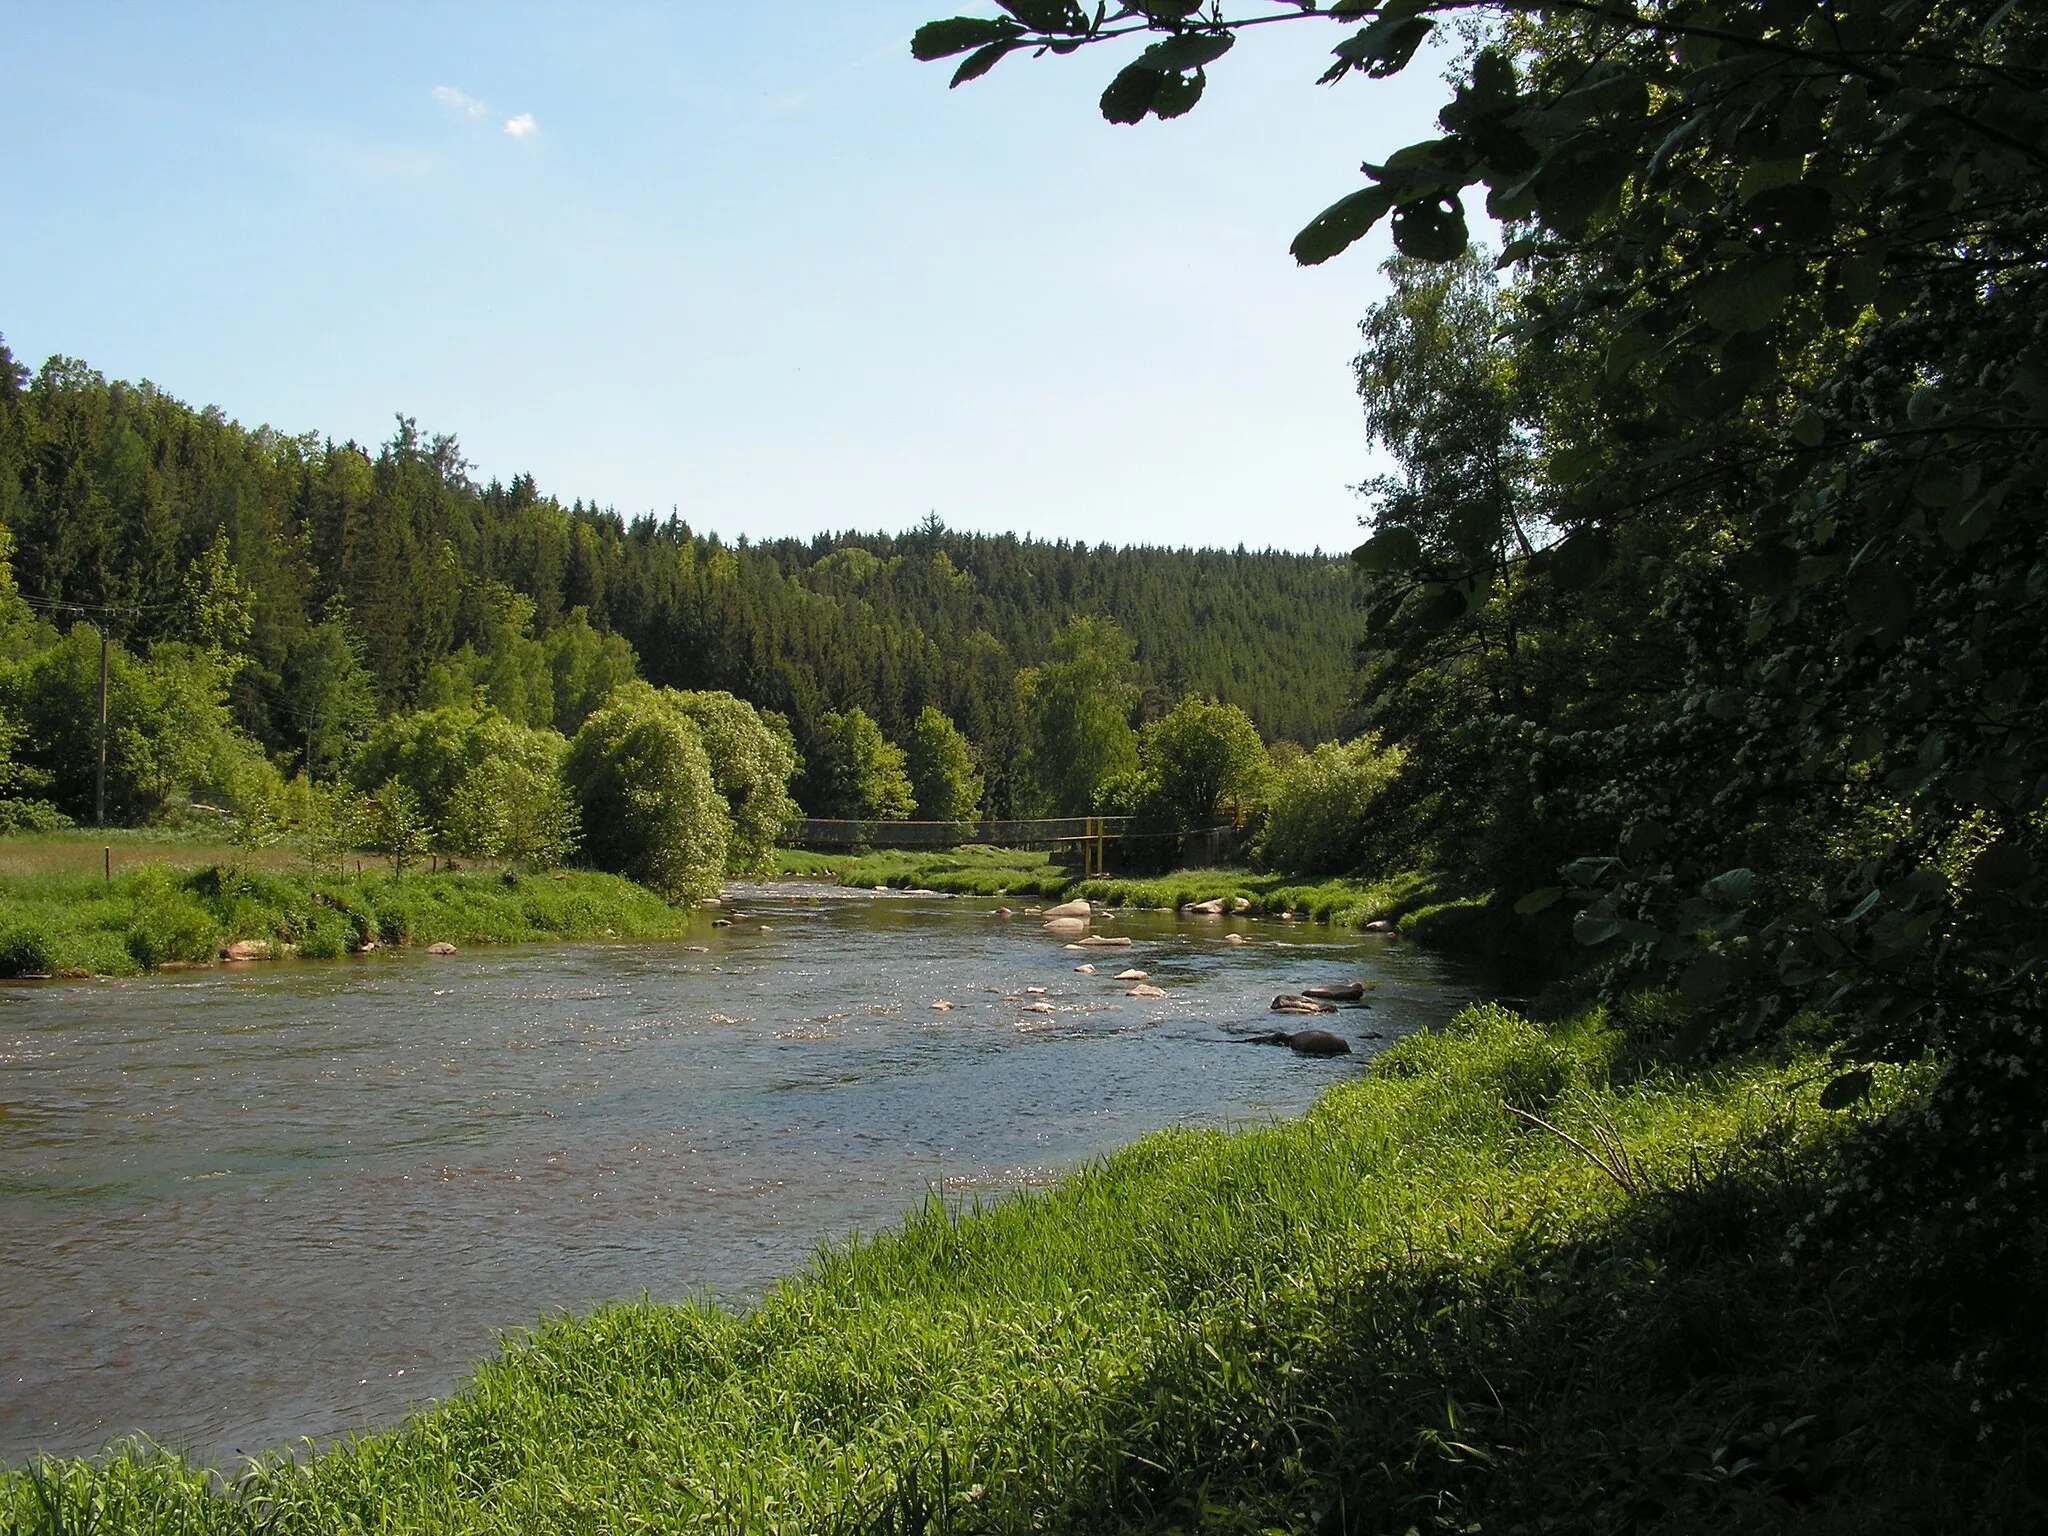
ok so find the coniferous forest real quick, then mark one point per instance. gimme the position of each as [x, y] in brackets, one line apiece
[395, 578]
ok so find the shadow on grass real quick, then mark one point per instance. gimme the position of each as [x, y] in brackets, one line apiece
[1678, 1370]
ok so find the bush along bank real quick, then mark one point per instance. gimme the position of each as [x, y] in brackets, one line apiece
[157, 916]
[1513, 1279]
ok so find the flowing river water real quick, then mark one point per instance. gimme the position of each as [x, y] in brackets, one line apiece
[242, 1206]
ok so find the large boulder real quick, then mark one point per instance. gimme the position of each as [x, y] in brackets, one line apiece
[1075, 908]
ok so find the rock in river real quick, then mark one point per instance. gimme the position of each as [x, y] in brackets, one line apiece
[1294, 1002]
[1305, 1042]
[1337, 991]
[442, 948]
[1066, 925]
[1146, 989]
[1075, 908]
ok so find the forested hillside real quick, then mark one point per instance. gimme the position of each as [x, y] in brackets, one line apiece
[114, 494]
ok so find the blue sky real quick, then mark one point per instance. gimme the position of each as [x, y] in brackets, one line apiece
[748, 262]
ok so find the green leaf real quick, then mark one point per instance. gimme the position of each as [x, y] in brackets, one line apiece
[943, 39]
[1573, 188]
[1381, 48]
[1628, 349]
[1190, 50]
[1048, 15]
[980, 62]
[1390, 550]
[1964, 525]
[1734, 886]
[1746, 296]
[1852, 1087]
[1337, 226]
[1516, 250]
[1539, 901]
[1131, 94]
[1761, 176]
[1589, 869]
[1592, 929]
[1432, 229]
[1608, 88]
[1178, 94]
[1576, 561]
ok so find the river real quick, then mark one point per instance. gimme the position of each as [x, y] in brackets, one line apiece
[242, 1206]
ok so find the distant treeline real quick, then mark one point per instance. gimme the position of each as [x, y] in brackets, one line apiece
[116, 492]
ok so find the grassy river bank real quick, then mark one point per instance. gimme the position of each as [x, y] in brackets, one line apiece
[1515, 1279]
[1421, 906]
[110, 906]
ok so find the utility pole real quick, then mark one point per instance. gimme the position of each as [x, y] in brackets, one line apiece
[99, 785]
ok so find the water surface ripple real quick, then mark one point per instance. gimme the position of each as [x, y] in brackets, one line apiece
[239, 1207]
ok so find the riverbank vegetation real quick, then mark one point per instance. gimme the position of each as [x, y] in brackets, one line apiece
[1515, 1278]
[1403, 900]
[76, 921]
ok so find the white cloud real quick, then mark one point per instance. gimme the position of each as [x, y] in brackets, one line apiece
[464, 103]
[522, 125]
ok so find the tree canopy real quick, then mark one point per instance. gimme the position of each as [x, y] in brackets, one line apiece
[448, 587]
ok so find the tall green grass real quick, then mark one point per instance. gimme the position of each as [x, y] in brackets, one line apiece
[1513, 1280]
[156, 914]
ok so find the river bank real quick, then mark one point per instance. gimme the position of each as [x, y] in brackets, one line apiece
[65, 913]
[1515, 1277]
[1422, 906]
